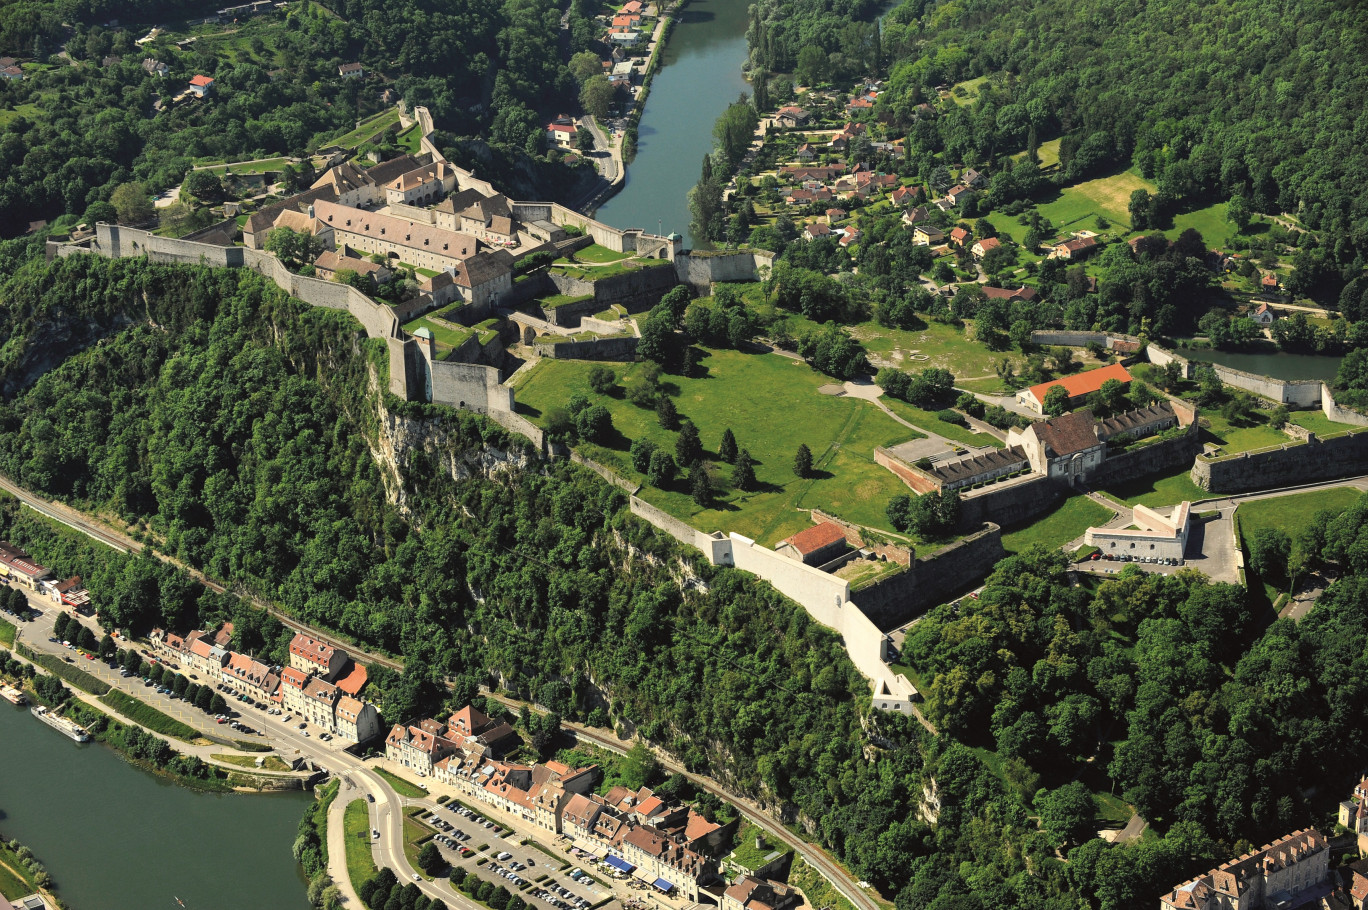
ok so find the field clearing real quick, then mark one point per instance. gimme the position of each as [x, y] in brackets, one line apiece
[1162, 490]
[771, 403]
[259, 166]
[1110, 196]
[29, 111]
[367, 129]
[1059, 526]
[1210, 222]
[970, 91]
[1318, 423]
[1293, 514]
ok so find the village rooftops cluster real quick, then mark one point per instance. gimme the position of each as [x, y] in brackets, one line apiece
[321, 683]
[18, 566]
[1286, 873]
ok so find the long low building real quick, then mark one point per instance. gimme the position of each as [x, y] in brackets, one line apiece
[415, 243]
[1153, 535]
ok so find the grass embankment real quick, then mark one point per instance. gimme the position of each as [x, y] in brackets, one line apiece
[401, 786]
[1293, 514]
[1318, 423]
[815, 888]
[746, 855]
[356, 824]
[1162, 490]
[416, 834]
[272, 763]
[1063, 523]
[318, 816]
[933, 424]
[1077, 206]
[15, 880]
[145, 715]
[6, 633]
[367, 129]
[60, 668]
[1245, 436]
[771, 404]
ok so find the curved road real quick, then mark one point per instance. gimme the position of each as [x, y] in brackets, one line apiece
[391, 841]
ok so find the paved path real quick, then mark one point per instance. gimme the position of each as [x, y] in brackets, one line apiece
[337, 839]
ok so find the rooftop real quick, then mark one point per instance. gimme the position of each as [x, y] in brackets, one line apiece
[817, 537]
[1081, 384]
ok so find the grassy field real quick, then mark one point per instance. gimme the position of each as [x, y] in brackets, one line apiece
[929, 421]
[1162, 490]
[444, 335]
[1293, 514]
[403, 787]
[771, 404]
[1318, 423]
[597, 253]
[1055, 528]
[6, 633]
[1245, 437]
[415, 835]
[356, 823]
[1210, 222]
[1077, 205]
[17, 883]
[745, 853]
[410, 140]
[78, 678]
[144, 715]
[29, 111]
[1112, 811]
[943, 346]
[970, 91]
[260, 166]
[272, 763]
[366, 130]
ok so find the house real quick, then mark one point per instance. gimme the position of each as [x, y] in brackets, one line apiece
[249, 677]
[916, 216]
[957, 195]
[834, 215]
[480, 280]
[318, 703]
[420, 186]
[11, 73]
[1263, 315]
[903, 195]
[203, 656]
[329, 263]
[1353, 814]
[631, 6]
[815, 230]
[17, 565]
[1074, 248]
[791, 116]
[71, 593]
[751, 893]
[356, 721]
[958, 236]
[351, 71]
[263, 220]
[1078, 386]
[202, 86]
[353, 681]
[1274, 876]
[972, 178]
[355, 187]
[859, 105]
[1063, 448]
[110, 60]
[316, 658]
[627, 20]
[624, 37]
[1154, 535]
[850, 236]
[817, 545]
[985, 246]
[927, 235]
[674, 866]
[561, 132]
[805, 152]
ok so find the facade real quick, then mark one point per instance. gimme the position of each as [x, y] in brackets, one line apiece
[985, 246]
[316, 658]
[203, 656]
[663, 859]
[417, 747]
[1078, 386]
[202, 86]
[355, 187]
[356, 721]
[1353, 814]
[1156, 536]
[351, 71]
[421, 186]
[250, 677]
[18, 566]
[1075, 248]
[1272, 877]
[319, 704]
[1263, 314]
[1063, 448]
[414, 243]
[329, 263]
[926, 235]
[751, 893]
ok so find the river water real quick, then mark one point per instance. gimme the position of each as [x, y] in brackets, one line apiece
[1279, 365]
[700, 76]
[116, 838]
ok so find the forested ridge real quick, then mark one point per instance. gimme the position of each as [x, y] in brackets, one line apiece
[1248, 98]
[236, 427]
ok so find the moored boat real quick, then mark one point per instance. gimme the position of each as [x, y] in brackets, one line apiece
[70, 728]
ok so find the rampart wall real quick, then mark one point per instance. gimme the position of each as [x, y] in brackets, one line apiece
[896, 600]
[1080, 339]
[1333, 411]
[1008, 504]
[700, 270]
[620, 348]
[1293, 463]
[1151, 459]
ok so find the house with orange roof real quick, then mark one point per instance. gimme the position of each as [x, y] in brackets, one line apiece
[751, 893]
[816, 545]
[202, 86]
[357, 721]
[316, 657]
[1078, 386]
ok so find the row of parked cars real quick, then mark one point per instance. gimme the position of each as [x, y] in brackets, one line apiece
[560, 898]
[1152, 560]
[510, 873]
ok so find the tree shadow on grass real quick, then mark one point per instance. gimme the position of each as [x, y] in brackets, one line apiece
[527, 410]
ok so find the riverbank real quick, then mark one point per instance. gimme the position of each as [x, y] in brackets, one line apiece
[22, 874]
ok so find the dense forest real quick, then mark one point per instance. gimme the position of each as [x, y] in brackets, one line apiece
[82, 127]
[231, 425]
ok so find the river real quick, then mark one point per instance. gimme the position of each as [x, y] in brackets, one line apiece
[116, 838]
[1278, 364]
[700, 75]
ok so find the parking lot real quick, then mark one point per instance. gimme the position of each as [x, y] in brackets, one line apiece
[517, 867]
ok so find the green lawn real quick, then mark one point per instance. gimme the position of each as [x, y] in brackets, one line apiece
[360, 862]
[597, 253]
[6, 633]
[144, 715]
[1079, 204]
[1249, 435]
[1318, 423]
[31, 112]
[402, 787]
[771, 404]
[366, 130]
[1293, 514]
[927, 420]
[559, 300]
[943, 346]
[1112, 811]
[745, 853]
[18, 883]
[1055, 528]
[415, 835]
[261, 166]
[1008, 226]
[272, 763]
[970, 91]
[410, 140]
[444, 335]
[1160, 490]
[1210, 222]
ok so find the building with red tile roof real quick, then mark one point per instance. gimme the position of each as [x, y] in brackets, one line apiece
[1078, 386]
[816, 545]
[1276, 875]
[316, 657]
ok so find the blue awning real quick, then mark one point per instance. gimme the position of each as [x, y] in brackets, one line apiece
[663, 885]
[619, 864]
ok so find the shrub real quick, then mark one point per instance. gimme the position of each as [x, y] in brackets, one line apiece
[954, 417]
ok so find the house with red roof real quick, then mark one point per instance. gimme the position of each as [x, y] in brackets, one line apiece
[202, 86]
[958, 236]
[317, 658]
[1074, 248]
[985, 246]
[1078, 386]
[816, 545]
[815, 230]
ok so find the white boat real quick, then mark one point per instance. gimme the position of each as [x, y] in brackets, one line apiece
[70, 728]
[13, 695]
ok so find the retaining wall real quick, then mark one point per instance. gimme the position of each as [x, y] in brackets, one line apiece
[1294, 463]
[1338, 414]
[1009, 503]
[1300, 392]
[1080, 339]
[679, 530]
[894, 601]
[908, 474]
[700, 270]
[1161, 357]
[622, 348]
[607, 474]
[1151, 459]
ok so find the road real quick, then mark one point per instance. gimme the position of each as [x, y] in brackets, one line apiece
[290, 743]
[612, 170]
